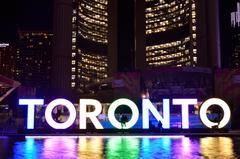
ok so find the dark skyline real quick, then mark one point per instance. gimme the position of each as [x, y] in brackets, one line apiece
[25, 15]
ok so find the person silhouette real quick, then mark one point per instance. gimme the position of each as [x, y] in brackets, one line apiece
[123, 120]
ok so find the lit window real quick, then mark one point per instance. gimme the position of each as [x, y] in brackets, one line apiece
[195, 59]
[73, 77]
[73, 84]
[73, 69]
[73, 40]
[73, 54]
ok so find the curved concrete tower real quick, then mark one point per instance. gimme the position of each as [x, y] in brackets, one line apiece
[61, 58]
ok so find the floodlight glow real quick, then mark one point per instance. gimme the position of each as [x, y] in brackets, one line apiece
[68, 105]
[83, 103]
[185, 113]
[30, 111]
[115, 105]
[220, 103]
[148, 106]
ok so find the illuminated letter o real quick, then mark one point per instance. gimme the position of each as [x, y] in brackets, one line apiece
[68, 105]
[115, 105]
[223, 105]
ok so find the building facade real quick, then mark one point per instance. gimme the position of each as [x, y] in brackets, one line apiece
[127, 35]
[33, 60]
[170, 33]
[234, 60]
[7, 60]
[177, 33]
[89, 43]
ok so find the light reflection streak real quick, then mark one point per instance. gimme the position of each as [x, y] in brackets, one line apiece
[122, 148]
[52, 147]
[27, 150]
[186, 144]
[114, 147]
[90, 148]
[151, 148]
[214, 146]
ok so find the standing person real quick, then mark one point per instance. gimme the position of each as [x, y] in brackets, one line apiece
[123, 120]
[59, 115]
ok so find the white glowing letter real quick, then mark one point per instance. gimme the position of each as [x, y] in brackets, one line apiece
[115, 105]
[220, 103]
[68, 105]
[185, 113]
[148, 106]
[91, 115]
[30, 111]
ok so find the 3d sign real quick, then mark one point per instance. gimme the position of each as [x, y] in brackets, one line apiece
[147, 108]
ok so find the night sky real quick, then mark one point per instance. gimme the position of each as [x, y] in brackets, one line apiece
[24, 14]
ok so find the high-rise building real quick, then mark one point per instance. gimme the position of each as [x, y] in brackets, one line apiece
[33, 60]
[62, 48]
[171, 33]
[229, 12]
[89, 42]
[235, 34]
[176, 33]
[7, 60]
[125, 35]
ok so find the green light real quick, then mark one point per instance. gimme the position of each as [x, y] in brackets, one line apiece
[122, 148]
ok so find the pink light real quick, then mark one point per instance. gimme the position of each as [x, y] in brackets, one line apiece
[104, 136]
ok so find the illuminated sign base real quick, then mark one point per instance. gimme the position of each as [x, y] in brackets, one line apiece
[125, 132]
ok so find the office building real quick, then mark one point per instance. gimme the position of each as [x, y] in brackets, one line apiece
[234, 61]
[126, 35]
[89, 43]
[177, 33]
[62, 48]
[33, 60]
[171, 33]
[7, 60]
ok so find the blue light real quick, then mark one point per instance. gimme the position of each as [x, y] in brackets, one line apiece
[148, 106]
